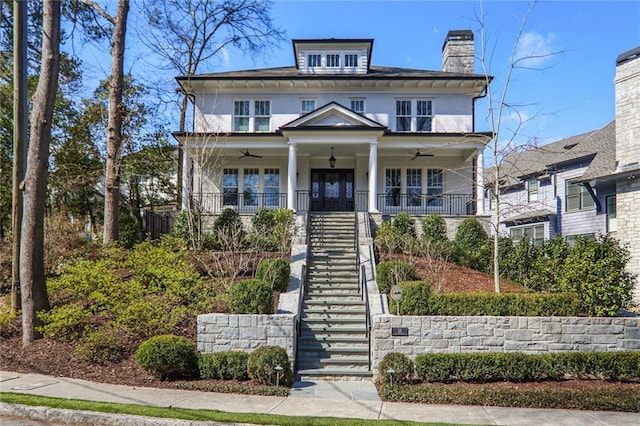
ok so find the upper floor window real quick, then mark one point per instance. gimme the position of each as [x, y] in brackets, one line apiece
[577, 197]
[251, 117]
[357, 105]
[333, 60]
[424, 116]
[532, 190]
[403, 116]
[307, 105]
[351, 60]
[314, 60]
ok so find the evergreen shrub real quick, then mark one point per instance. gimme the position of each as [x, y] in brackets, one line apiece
[434, 228]
[415, 298]
[168, 357]
[276, 272]
[226, 365]
[404, 224]
[391, 273]
[400, 363]
[251, 297]
[262, 363]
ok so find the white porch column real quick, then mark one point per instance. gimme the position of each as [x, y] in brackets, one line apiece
[373, 177]
[480, 181]
[291, 177]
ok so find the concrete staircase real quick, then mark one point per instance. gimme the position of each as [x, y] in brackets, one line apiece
[333, 344]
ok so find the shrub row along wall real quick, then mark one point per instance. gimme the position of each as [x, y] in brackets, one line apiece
[224, 332]
[501, 334]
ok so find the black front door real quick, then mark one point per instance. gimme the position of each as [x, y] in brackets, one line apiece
[332, 190]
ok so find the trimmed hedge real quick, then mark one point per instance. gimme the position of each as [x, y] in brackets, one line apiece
[276, 272]
[262, 362]
[391, 273]
[415, 298]
[402, 365]
[503, 304]
[226, 365]
[520, 367]
[168, 357]
[250, 297]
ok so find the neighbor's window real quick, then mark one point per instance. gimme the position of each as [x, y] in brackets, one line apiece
[573, 239]
[424, 116]
[532, 190]
[612, 221]
[357, 105]
[241, 116]
[403, 116]
[393, 187]
[333, 60]
[577, 197]
[534, 233]
[314, 60]
[351, 60]
[230, 187]
[414, 187]
[434, 187]
[262, 116]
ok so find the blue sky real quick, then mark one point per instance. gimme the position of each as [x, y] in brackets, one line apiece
[571, 94]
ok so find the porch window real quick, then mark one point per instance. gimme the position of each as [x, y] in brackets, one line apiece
[424, 116]
[262, 115]
[230, 187]
[393, 187]
[612, 221]
[435, 187]
[241, 116]
[414, 187]
[271, 187]
[351, 60]
[403, 116]
[333, 60]
[532, 190]
[577, 197]
[357, 105]
[307, 105]
[250, 187]
[314, 60]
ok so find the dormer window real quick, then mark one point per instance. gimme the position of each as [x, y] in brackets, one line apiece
[351, 60]
[333, 60]
[314, 60]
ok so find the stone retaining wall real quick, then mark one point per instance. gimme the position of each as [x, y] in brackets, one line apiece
[502, 334]
[224, 332]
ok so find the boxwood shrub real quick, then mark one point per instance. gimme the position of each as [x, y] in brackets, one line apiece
[250, 297]
[402, 365]
[262, 363]
[168, 357]
[391, 273]
[503, 304]
[520, 367]
[415, 298]
[276, 272]
[225, 365]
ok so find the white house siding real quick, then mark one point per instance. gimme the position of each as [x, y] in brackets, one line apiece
[214, 111]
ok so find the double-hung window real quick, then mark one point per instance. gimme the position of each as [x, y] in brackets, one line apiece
[307, 105]
[423, 116]
[414, 187]
[241, 116]
[351, 60]
[435, 187]
[357, 105]
[271, 187]
[262, 116]
[532, 190]
[403, 116]
[577, 197]
[333, 60]
[314, 60]
[250, 187]
[230, 187]
[393, 187]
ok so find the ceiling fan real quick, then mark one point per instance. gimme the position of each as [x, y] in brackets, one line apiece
[419, 154]
[246, 153]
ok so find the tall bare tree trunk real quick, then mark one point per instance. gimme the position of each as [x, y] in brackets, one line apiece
[32, 276]
[114, 137]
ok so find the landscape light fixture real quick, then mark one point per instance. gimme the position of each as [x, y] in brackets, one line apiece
[391, 372]
[332, 159]
[278, 369]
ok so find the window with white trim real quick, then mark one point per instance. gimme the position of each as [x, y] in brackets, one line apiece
[534, 233]
[403, 116]
[241, 116]
[393, 187]
[351, 60]
[230, 183]
[577, 197]
[414, 187]
[532, 190]
[250, 187]
[424, 116]
[435, 187]
[307, 105]
[612, 221]
[573, 239]
[271, 187]
[314, 60]
[357, 105]
[333, 60]
[262, 115]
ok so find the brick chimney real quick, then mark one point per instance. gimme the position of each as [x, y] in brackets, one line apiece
[458, 52]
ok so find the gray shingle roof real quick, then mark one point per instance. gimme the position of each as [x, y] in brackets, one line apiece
[599, 144]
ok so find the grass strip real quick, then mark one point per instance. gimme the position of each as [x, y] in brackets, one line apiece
[191, 414]
[624, 399]
[237, 388]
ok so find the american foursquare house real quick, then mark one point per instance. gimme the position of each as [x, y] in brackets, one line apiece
[333, 132]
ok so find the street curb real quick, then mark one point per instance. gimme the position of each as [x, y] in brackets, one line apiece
[76, 417]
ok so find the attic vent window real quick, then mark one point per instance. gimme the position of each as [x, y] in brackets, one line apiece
[570, 146]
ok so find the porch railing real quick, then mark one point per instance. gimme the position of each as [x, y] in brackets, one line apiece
[247, 202]
[444, 204]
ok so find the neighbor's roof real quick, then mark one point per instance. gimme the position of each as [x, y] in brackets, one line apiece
[599, 144]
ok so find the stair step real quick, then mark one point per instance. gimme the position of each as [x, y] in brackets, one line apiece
[332, 313]
[335, 320]
[334, 374]
[333, 339]
[343, 350]
[334, 329]
[334, 302]
[318, 361]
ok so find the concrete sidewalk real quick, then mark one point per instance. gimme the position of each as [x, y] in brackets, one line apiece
[322, 399]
